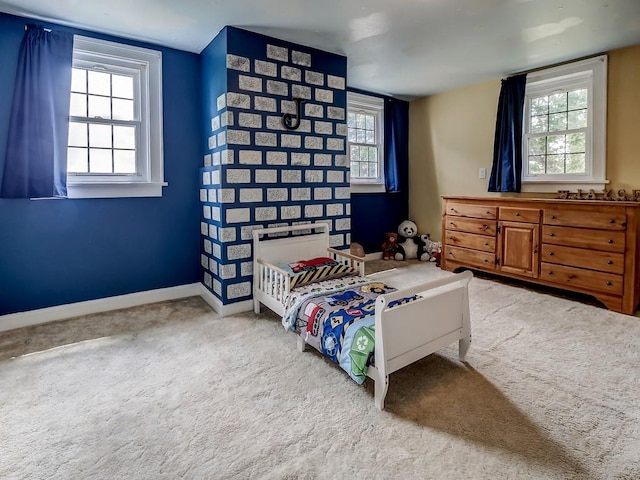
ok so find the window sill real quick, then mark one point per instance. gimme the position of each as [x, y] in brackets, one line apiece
[368, 188]
[541, 186]
[115, 190]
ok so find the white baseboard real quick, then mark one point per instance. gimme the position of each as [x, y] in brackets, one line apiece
[62, 312]
[373, 256]
[224, 310]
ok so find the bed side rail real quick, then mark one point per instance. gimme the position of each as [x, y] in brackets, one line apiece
[345, 258]
[272, 280]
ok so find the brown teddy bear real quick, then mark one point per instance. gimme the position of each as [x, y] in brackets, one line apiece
[390, 246]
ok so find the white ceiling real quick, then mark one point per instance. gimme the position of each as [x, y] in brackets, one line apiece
[408, 48]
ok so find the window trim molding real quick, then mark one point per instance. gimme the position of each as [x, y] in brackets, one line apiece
[375, 105]
[595, 70]
[150, 183]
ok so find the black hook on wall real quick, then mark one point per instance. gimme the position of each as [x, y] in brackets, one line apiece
[287, 118]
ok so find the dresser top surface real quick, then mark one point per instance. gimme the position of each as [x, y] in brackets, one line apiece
[552, 201]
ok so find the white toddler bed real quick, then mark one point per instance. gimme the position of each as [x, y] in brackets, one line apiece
[404, 332]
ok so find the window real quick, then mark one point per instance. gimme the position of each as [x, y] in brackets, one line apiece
[115, 121]
[365, 122]
[565, 127]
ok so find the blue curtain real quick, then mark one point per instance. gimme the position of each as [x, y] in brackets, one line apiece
[36, 160]
[396, 142]
[506, 172]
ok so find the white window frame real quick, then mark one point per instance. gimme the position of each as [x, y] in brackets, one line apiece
[592, 75]
[147, 64]
[371, 106]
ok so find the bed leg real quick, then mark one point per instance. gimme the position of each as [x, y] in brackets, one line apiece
[463, 348]
[256, 306]
[302, 345]
[380, 390]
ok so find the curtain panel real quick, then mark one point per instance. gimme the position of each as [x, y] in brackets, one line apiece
[36, 158]
[506, 172]
[396, 142]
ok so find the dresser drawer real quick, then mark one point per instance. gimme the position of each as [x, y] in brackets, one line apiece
[579, 257]
[606, 240]
[513, 214]
[470, 240]
[581, 278]
[609, 220]
[471, 257]
[475, 211]
[471, 225]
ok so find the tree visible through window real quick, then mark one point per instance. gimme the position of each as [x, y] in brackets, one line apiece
[557, 133]
[363, 151]
[103, 128]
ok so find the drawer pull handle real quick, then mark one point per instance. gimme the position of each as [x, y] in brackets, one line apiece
[488, 212]
[612, 221]
[486, 244]
[451, 223]
[453, 209]
[553, 217]
[552, 234]
[551, 254]
[550, 272]
[609, 262]
[610, 241]
[609, 284]
[517, 214]
[485, 260]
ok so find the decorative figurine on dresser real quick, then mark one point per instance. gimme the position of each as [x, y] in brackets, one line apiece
[587, 246]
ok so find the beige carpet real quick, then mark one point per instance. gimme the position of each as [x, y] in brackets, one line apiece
[171, 390]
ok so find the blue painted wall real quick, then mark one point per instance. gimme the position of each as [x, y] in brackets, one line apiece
[54, 252]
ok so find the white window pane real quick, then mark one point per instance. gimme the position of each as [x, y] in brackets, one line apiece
[364, 170]
[352, 134]
[100, 135]
[577, 119]
[355, 169]
[124, 137]
[79, 80]
[539, 123]
[537, 146]
[78, 134]
[576, 143]
[355, 154]
[122, 109]
[99, 83]
[370, 122]
[122, 86]
[78, 105]
[370, 136]
[555, 164]
[536, 164]
[360, 136]
[364, 154]
[576, 163]
[540, 106]
[373, 154]
[558, 102]
[351, 120]
[361, 120]
[124, 161]
[557, 121]
[77, 160]
[99, 107]
[100, 161]
[578, 99]
[555, 144]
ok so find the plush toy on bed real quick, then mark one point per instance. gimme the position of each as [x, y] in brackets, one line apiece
[432, 248]
[390, 246]
[410, 244]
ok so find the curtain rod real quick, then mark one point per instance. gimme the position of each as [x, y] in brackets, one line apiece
[544, 67]
[26, 27]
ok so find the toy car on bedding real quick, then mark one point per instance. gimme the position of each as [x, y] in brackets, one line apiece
[343, 299]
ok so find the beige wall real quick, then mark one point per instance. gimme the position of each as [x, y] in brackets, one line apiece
[451, 137]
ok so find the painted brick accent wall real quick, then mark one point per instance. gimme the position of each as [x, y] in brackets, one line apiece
[256, 173]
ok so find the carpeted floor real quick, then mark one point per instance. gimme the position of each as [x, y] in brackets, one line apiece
[170, 390]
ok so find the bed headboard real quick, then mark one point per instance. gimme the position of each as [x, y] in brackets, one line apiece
[306, 241]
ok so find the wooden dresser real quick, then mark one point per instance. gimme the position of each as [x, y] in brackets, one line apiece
[580, 245]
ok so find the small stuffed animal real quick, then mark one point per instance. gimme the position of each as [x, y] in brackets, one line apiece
[432, 248]
[410, 245]
[390, 246]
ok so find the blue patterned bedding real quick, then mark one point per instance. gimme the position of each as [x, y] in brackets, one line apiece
[337, 318]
